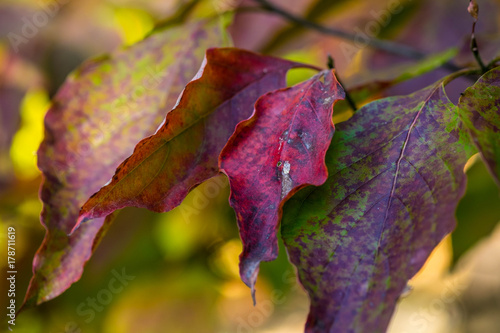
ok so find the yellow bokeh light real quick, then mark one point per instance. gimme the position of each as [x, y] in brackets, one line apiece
[134, 24]
[30, 208]
[26, 141]
[234, 289]
[437, 265]
[226, 259]
[3, 54]
[176, 238]
[342, 116]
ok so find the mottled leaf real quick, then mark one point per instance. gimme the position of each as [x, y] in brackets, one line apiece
[97, 117]
[184, 151]
[270, 156]
[480, 111]
[395, 179]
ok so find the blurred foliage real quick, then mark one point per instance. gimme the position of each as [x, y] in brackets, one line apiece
[134, 24]
[185, 266]
[30, 134]
[479, 211]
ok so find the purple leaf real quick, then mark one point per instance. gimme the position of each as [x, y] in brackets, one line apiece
[395, 179]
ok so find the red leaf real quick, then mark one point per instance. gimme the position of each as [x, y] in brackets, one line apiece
[184, 151]
[273, 154]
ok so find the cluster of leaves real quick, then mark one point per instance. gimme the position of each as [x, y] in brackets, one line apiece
[360, 205]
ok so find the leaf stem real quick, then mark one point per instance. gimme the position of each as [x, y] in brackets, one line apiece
[467, 72]
[475, 50]
[348, 97]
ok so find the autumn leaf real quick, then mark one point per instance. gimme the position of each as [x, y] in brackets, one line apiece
[395, 179]
[97, 117]
[480, 111]
[279, 150]
[184, 151]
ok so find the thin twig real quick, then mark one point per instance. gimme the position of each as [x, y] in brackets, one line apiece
[385, 45]
[475, 51]
[348, 98]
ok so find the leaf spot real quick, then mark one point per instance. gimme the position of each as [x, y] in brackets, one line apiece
[286, 168]
[306, 140]
[327, 100]
[286, 181]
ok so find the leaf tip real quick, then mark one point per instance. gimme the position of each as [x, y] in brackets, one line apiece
[249, 272]
[81, 219]
[21, 309]
[253, 296]
[28, 302]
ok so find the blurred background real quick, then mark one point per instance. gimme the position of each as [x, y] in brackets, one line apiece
[182, 270]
